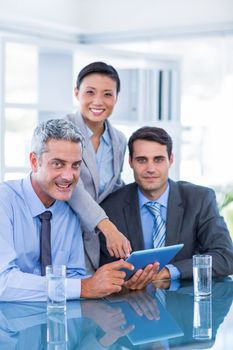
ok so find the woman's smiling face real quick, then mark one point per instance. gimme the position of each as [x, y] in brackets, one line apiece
[97, 96]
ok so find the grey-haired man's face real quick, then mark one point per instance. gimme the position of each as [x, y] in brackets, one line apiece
[56, 172]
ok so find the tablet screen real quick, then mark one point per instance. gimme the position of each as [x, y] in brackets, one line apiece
[141, 258]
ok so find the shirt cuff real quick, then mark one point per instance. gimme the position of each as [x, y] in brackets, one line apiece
[73, 288]
[174, 272]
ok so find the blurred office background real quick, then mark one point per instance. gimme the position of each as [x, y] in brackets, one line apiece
[175, 60]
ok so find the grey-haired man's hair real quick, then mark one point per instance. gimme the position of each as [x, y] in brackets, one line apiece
[54, 129]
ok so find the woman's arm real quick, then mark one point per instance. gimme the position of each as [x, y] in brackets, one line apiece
[93, 216]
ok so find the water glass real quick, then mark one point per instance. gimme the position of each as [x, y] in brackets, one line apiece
[202, 318]
[56, 287]
[202, 275]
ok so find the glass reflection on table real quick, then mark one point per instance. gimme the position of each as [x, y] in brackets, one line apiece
[57, 335]
[202, 318]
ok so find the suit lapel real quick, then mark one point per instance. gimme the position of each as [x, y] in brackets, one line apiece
[89, 154]
[133, 219]
[116, 164]
[175, 212]
[115, 150]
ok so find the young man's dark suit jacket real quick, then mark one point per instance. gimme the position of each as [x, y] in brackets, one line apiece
[192, 218]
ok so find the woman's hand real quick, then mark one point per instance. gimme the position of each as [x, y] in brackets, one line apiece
[117, 244]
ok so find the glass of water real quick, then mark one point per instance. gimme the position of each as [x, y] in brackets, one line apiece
[202, 275]
[56, 287]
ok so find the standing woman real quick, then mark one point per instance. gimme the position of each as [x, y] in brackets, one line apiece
[98, 85]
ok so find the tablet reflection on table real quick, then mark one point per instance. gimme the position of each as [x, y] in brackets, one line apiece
[151, 321]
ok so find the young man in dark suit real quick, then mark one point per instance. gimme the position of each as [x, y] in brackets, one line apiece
[188, 213]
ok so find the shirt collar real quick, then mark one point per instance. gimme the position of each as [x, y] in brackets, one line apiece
[162, 200]
[34, 203]
[105, 136]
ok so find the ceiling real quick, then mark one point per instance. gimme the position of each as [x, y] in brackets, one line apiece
[93, 21]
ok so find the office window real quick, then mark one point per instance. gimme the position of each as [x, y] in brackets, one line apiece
[18, 131]
[19, 106]
[37, 83]
[206, 102]
[21, 73]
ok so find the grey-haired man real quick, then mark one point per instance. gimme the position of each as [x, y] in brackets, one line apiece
[55, 158]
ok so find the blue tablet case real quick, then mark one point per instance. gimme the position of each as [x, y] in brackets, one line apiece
[141, 258]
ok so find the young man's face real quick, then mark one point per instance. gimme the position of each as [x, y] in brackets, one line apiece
[150, 164]
[56, 173]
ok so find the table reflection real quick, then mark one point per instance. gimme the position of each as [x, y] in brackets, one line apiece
[152, 319]
[181, 303]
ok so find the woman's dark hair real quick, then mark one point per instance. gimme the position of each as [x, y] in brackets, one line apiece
[150, 133]
[101, 68]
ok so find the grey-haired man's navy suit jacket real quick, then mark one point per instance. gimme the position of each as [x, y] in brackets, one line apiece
[192, 218]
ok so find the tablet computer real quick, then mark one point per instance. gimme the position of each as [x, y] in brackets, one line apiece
[141, 258]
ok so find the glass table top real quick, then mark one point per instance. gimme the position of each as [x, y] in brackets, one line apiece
[152, 319]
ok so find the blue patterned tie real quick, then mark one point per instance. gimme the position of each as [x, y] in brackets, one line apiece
[159, 229]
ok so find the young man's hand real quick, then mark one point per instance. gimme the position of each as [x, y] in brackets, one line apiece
[142, 277]
[162, 279]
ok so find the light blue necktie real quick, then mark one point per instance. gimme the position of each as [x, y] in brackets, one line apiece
[159, 229]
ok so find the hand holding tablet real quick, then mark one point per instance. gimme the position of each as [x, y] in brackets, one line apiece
[141, 258]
